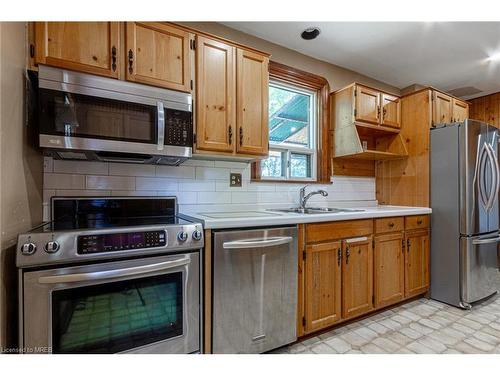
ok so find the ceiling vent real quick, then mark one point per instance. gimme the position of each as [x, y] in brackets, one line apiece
[464, 91]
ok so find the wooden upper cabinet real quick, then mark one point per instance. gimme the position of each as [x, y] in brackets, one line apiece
[89, 47]
[322, 285]
[416, 262]
[367, 105]
[391, 111]
[357, 276]
[252, 103]
[442, 108]
[216, 95]
[460, 110]
[389, 269]
[158, 54]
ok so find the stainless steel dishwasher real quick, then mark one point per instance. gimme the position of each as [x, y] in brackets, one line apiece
[254, 289]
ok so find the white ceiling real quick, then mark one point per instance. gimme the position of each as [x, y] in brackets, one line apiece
[446, 55]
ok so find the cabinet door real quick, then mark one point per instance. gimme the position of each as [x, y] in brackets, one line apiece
[389, 268]
[89, 47]
[158, 54]
[460, 110]
[391, 111]
[252, 103]
[416, 263]
[216, 95]
[357, 276]
[442, 108]
[367, 105]
[323, 285]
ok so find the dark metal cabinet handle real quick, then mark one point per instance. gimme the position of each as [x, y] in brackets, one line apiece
[130, 61]
[230, 131]
[113, 58]
[378, 111]
[241, 136]
[419, 221]
[408, 243]
[339, 256]
[347, 255]
[403, 245]
[391, 224]
[384, 112]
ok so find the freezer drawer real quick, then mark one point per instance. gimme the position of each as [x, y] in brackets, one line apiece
[254, 290]
[480, 262]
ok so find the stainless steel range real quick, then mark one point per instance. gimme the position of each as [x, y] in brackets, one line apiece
[111, 275]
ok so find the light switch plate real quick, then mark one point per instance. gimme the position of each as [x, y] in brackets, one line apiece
[235, 180]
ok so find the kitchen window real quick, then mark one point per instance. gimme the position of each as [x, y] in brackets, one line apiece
[298, 128]
[292, 133]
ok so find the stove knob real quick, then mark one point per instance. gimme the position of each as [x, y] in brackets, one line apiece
[182, 236]
[52, 247]
[197, 235]
[28, 248]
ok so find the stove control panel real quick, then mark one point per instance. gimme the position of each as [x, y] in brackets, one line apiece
[108, 242]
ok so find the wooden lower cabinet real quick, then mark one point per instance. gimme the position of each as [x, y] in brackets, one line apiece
[347, 271]
[357, 276]
[323, 285]
[416, 263]
[389, 269]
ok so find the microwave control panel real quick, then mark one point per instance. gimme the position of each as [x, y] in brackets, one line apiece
[178, 128]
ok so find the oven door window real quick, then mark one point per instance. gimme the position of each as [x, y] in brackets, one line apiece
[76, 115]
[119, 316]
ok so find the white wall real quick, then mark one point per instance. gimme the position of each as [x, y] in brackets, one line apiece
[200, 185]
[20, 171]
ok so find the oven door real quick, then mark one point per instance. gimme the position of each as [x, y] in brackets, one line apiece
[147, 305]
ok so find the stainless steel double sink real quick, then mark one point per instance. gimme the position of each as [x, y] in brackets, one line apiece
[315, 210]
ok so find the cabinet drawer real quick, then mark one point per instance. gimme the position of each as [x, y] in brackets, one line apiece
[336, 230]
[417, 222]
[389, 224]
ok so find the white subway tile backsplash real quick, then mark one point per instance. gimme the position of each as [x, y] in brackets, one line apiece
[156, 183]
[206, 197]
[196, 185]
[175, 172]
[200, 185]
[111, 182]
[207, 173]
[117, 169]
[76, 167]
[63, 181]
[48, 164]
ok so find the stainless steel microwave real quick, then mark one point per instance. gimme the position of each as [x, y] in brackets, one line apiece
[86, 117]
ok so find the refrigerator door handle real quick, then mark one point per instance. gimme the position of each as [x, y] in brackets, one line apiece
[483, 197]
[496, 176]
[486, 241]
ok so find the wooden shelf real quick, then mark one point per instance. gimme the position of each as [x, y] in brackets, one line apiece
[373, 155]
[374, 130]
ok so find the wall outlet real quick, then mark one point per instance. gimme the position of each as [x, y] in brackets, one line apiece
[235, 180]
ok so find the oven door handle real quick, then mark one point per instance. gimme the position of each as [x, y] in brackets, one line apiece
[111, 274]
[161, 125]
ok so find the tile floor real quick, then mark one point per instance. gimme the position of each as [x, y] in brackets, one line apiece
[421, 326]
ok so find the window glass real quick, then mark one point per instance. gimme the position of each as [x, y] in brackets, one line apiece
[292, 133]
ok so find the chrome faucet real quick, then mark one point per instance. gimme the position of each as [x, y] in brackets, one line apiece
[304, 198]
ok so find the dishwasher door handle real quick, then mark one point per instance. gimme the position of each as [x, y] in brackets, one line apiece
[257, 243]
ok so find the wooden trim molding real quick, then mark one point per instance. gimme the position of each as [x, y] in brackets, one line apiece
[288, 74]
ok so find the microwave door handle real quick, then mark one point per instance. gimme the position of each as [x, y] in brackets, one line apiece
[161, 125]
[257, 243]
[112, 274]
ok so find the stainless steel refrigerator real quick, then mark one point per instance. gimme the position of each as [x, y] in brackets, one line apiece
[465, 181]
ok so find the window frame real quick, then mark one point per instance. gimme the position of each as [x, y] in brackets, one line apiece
[297, 79]
[311, 150]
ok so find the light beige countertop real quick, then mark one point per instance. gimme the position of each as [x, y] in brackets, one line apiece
[220, 219]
